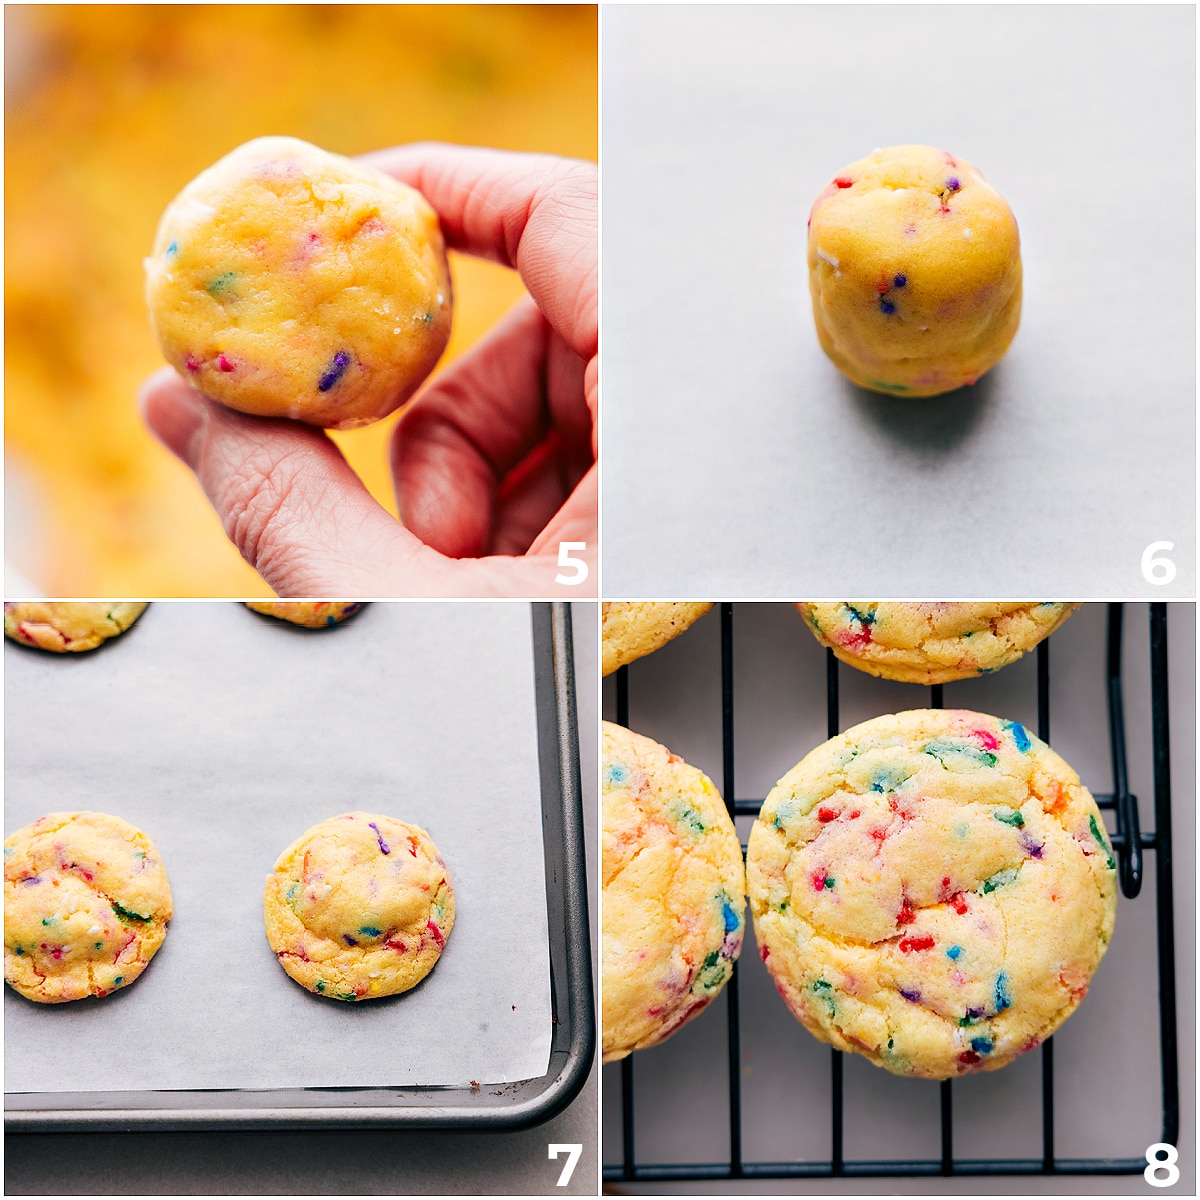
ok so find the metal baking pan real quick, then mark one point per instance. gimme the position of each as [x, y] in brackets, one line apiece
[504, 1106]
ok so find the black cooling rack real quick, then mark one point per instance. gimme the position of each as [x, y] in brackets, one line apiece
[1129, 842]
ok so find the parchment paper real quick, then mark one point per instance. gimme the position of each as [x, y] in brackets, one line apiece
[224, 735]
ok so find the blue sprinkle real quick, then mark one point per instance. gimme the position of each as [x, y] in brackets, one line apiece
[982, 1045]
[370, 931]
[1019, 736]
[900, 281]
[954, 952]
[617, 774]
[172, 249]
[911, 997]
[1003, 999]
[337, 368]
[887, 306]
[349, 940]
[731, 920]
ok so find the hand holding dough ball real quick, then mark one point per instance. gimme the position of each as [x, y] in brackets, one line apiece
[289, 282]
[914, 264]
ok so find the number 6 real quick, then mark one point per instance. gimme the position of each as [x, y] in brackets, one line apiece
[1160, 570]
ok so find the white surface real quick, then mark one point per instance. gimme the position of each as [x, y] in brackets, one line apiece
[224, 735]
[738, 461]
[1108, 1100]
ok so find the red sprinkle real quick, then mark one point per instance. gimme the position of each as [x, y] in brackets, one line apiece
[818, 879]
[855, 815]
[881, 288]
[825, 815]
[397, 945]
[225, 364]
[944, 208]
[880, 835]
[908, 944]
[437, 935]
[969, 1057]
[843, 182]
[960, 903]
[988, 740]
[906, 915]
[764, 952]
[192, 363]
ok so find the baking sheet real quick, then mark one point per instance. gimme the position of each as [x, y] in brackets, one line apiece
[224, 735]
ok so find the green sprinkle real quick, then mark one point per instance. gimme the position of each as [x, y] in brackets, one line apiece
[99, 945]
[291, 892]
[968, 1020]
[47, 920]
[320, 985]
[782, 906]
[961, 829]
[822, 985]
[347, 996]
[999, 880]
[18, 950]
[687, 816]
[221, 284]
[427, 318]
[1112, 862]
[126, 915]
[829, 881]
[941, 749]
[891, 387]
[1011, 817]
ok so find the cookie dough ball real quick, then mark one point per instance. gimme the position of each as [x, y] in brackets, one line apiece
[67, 628]
[86, 906]
[289, 282]
[914, 263]
[932, 890]
[359, 907]
[312, 614]
[674, 893]
[631, 630]
[931, 643]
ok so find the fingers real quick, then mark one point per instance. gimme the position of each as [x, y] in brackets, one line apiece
[287, 498]
[537, 213]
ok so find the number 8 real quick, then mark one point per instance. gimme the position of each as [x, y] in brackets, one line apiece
[1155, 1163]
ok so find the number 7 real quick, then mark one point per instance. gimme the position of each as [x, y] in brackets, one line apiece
[574, 1150]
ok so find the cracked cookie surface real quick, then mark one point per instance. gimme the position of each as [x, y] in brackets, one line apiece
[933, 890]
[632, 629]
[290, 282]
[931, 643]
[65, 627]
[914, 265]
[312, 614]
[674, 892]
[86, 906]
[358, 907]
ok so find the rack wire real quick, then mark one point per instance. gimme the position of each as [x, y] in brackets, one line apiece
[1130, 844]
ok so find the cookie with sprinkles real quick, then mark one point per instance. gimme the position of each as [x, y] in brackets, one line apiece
[290, 282]
[66, 627]
[312, 614]
[629, 630]
[931, 643]
[358, 907]
[914, 264]
[86, 906]
[674, 893]
[933, 890]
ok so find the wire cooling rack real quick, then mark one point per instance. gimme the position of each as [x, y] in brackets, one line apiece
[1130, 844]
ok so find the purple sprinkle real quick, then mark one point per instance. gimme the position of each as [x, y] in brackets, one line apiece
[887, 306]
[32, 879]
[900, 281]
[1032, 848]
[349, 940]
[952, 183]
[382, 844]
[914, 997]
[337, 368]
[975, 1012]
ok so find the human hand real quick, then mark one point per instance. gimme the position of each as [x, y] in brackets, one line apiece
[494, 462]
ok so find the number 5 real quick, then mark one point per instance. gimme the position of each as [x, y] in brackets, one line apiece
[573, 1149]
[576, 564]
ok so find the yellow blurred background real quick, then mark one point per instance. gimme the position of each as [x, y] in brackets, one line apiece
[109, 111]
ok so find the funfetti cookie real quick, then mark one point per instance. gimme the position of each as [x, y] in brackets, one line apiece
[674, 893]
[290, 282]
[64, 627]
[312, 614]
[631, 629]
[358, 907]
[914, 265]
[931, 643]
[86, 906]
[932, 890]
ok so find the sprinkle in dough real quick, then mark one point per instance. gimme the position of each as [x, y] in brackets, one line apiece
[931, 643]
[359, 907]
[67, 627]
[86, 906]
[674, 893]
[312, 614]
[933, 890]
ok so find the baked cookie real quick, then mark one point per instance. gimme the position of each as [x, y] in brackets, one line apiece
[312, 614]
[86, 906]
[914, 263]
[632, 629]
[674, 892]
[64, 627]
[931, 643]
[933, 890]
[359, 907]
[290, 282]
